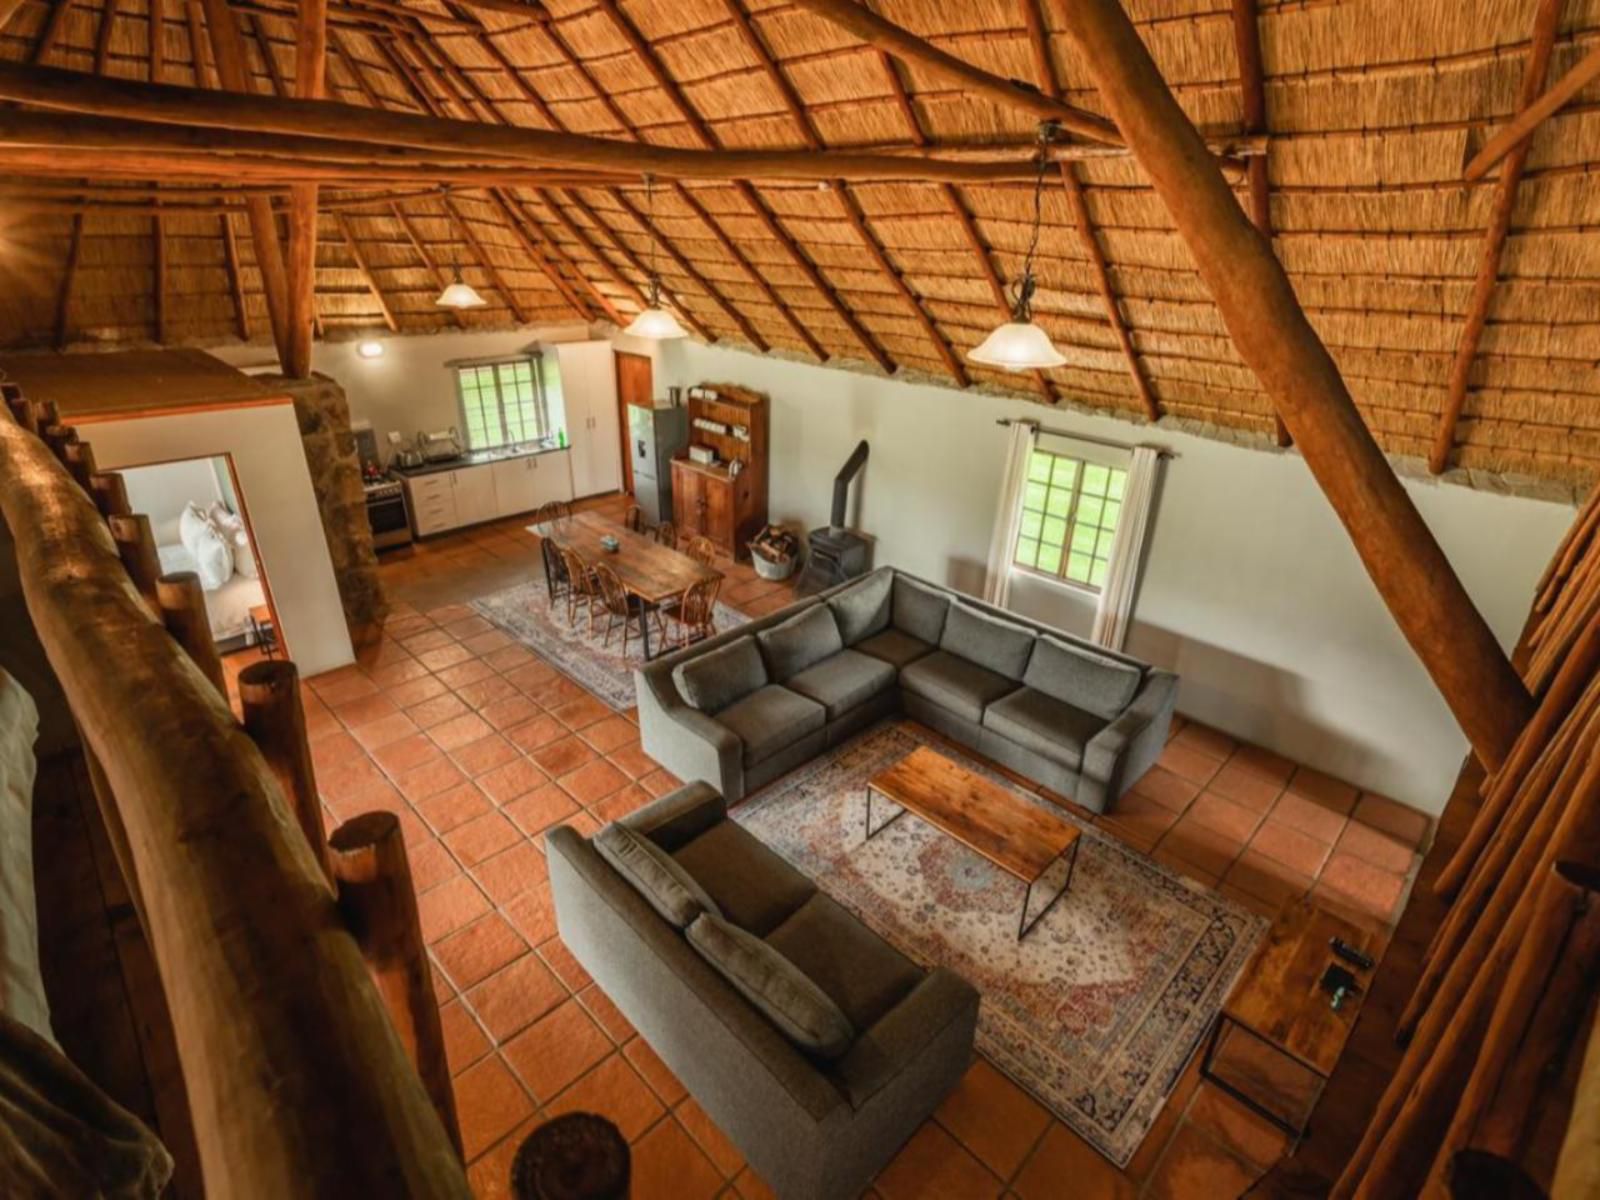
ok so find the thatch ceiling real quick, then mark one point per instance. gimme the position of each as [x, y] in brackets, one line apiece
[1372, 107]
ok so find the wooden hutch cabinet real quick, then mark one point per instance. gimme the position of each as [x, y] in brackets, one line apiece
[718, 500]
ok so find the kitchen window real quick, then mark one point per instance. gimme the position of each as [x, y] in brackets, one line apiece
[1070, 509]
[506, 403]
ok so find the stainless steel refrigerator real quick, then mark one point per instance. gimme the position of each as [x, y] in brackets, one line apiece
[654, 436]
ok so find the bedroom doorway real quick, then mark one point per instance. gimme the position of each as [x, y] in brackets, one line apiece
[201, 524]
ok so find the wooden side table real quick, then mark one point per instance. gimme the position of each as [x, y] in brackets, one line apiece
[1280, 1002]
[266, 633]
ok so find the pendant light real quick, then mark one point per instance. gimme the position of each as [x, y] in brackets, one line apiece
[656, 321]
[1019, 344]
[460, 293]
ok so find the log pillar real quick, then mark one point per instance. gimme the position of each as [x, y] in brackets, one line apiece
[110, 492]
[136, 546]
[183, 611]
[311, 63]
[1278, 343]
[80, 465]
[275, 717]
[380, 907]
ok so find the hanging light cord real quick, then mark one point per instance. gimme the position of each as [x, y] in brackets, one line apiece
[655, 241]
[1022, 290]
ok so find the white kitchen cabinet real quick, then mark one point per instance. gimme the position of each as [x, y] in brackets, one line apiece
[516, 486]
[553, 478]
[474, 491]
[589, 391]
[432, 501]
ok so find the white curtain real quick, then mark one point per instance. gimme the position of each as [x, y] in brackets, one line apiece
[1115, 611]
[1008, 515]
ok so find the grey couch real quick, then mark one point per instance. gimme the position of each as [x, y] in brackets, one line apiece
[707, 941]
[741, 708]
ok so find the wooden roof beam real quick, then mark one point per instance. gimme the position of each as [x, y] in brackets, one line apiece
[525, 239]
[1044, 65]
[50, 32]
[230, 258]
[1545, 22]
[310, 83]
[440, 275]
[1275, 339]
[1521, 127]
[365, 268]
[909, 48]
[69, 274]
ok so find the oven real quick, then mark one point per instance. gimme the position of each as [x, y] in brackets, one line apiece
[386, 513]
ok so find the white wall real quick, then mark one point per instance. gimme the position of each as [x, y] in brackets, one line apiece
[411, 387]
[1252, 591]
[275, 489]
[162, 492]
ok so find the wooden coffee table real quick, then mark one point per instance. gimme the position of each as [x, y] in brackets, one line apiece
[1014, 835]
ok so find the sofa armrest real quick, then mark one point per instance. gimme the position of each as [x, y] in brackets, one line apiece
[690, 744]
[679, 816]
[907, 1031]
[1130, 745]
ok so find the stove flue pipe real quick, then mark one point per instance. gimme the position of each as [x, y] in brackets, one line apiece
[841, 484]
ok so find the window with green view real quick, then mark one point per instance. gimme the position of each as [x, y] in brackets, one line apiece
[503, 403]
[1069, 517]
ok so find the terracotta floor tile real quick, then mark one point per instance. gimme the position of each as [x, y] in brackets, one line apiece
[471, 671]
[453, 807]
[509, 711]
[346, 684]
[620, 803]
[486, 691]
[993, 1118]
[1244, 786]
[606, 1014]
[582, 712]
[750, 1186]
[1194, 1165]
[384, 730]
[555, 692]
[1375, 847]
[415, 691]
[1300, 851]
[429, 780]
[511, 999]
[1263, 762]
[487, 643]
[465, 627]
[654, 1072]
[508, 658]
[529, 673]
[1201, 846]
[1388, 816]
[592, 782]
[464, 1040]
[346, 778]
[485, 754]
[1188, 763]
[716, 1145]
[610, 734]
[431, 864]
[666, 1162]
[448, 907]
[1064, 1164]
[490, 1103]
[567, 968]
[632, 761]
[934, 1166]
[445, 656]
[534, 914]
[1309, 817]
[429, 639]
[478, 950]
[541, 808]
[1267, 879]
[489, 1175]
[1166, 789]
[1207, 740]
[1244, 899]
[660, 781]
[1333, 794]
[443, 707]
[506, 875]
[460, 731]
[406, 754]
[564, 756]
[1369, 888]
[333, 749]
[613, 1090]
[363, 710]
[482, 838]
[540, 731]
[556, 1049]
[1234, 821]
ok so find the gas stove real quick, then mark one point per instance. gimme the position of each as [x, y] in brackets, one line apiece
[387, 512]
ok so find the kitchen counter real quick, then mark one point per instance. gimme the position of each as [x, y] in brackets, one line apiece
[474, 458]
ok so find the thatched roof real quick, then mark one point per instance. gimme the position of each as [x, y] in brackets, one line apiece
[1372, 109]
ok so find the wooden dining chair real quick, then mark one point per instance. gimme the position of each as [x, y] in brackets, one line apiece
[666, 535]
[581, 587]
[555, 570]
[633, 519]
[691, 616]
[617, 603]
[702, 550]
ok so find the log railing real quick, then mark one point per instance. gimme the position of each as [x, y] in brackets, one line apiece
[297, 1079]
[1503, 997]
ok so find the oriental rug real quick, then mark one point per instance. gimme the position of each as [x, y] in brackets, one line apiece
[1097, 1011]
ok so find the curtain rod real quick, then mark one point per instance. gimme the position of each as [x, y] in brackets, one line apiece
[1161, 451]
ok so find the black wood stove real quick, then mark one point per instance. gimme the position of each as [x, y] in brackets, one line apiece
[836, 553]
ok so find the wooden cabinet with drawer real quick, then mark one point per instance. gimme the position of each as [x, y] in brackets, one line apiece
[432, 500]
[708, 499]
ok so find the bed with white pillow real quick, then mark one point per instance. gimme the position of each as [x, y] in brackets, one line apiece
[213, 544]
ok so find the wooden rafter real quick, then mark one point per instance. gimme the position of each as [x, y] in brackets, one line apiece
[159, 273]
[205, 75]
[1517, 131]
[1253, 93]
[1045, 68]
[703, 132]
[366, 271]
[537, 253]
[513, 301]
[1545, 22]
[68, 275]
[8, 9]
[230, 258]
[310, 83]
[51, 31]
[440, 275]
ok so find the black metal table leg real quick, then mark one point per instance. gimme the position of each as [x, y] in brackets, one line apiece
[1025, 926]
[644, 628]
[1294, 1131]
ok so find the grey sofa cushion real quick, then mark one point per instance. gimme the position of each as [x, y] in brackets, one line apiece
[1078, 676]
[752, 886]
[799, 642]
[653, 873]
[771, 718]
[895, 647]
[779, 990]
[1047, 726]
[988, 641]
[863, 974]
[843, 681]
[678, 816]
[956, 684]
[862, 609]
[918, 610]
[715, 679]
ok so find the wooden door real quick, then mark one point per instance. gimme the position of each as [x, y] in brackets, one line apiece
[688, 498]
[635, 386]
[719, 511]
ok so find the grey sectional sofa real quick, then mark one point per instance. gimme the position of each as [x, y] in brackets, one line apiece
[741, 708]
[814, 1045]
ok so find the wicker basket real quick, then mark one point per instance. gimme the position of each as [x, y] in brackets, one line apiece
[770, 570]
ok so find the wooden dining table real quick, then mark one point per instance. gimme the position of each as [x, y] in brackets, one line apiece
[647, 569]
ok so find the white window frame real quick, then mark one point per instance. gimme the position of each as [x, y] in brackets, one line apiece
[1084, 460]
[541, 409]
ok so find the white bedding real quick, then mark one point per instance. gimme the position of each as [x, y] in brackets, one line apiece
[229, 606]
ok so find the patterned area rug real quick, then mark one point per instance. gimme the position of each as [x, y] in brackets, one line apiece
[1097, 1010]
[525, 613]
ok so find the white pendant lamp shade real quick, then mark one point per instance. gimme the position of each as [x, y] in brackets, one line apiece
[1017, 346]
[657, 323]
[460, 294]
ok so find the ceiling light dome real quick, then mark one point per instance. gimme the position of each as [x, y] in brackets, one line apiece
[460, 294]
[1018, 346]
[655, 321]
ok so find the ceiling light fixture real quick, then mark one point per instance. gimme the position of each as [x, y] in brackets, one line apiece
[369, 349]
[656, 322]
[460, 293]
[1019, 344]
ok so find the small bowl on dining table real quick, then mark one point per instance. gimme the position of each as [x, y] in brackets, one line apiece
[610, 544]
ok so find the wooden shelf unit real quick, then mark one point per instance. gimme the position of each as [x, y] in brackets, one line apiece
[706, 499]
